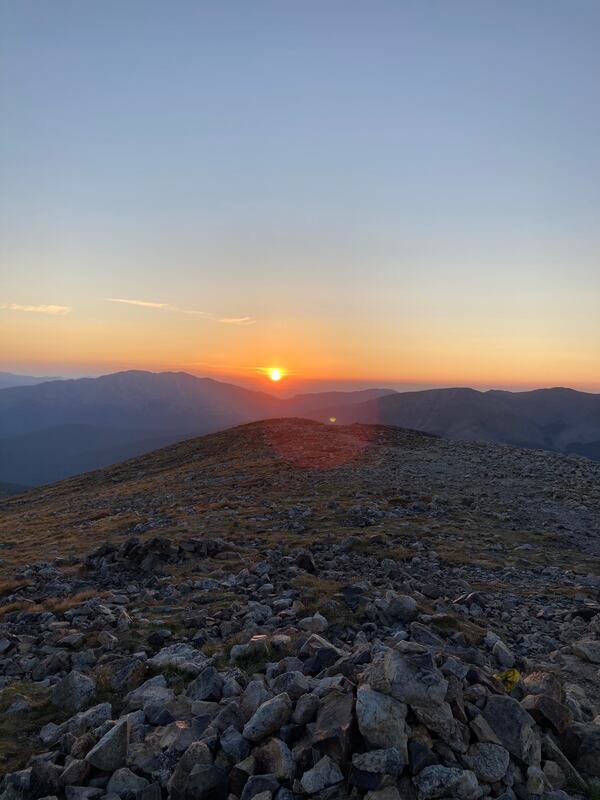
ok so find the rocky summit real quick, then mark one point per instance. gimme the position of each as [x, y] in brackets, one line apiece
[289, 609]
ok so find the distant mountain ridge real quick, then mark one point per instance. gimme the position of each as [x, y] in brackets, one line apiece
[60, 428]
[10, 379]
[561, 420]
[64, 427]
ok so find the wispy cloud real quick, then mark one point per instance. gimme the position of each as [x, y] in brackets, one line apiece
[176, 309]
[145, 303]
[45, 309]
[237, 320]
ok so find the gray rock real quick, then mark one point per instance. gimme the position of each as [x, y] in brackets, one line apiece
[381, 718]
[257, 784]
[74, 693]
[253, 696]
[410, 677]
[514, 728]
[400, 607]
[588, 650]
[274, 757]
[180, 656]
[437, 781]
[153, 691]
[234, 745]
[110, 752]
[387, 761]
[325, 773]
[333, 728]
[306, 708]
[268, 718]
[504, 657]
[83, 793]
[126, 784]
[196, 776]
[488, 761]
[207, 686]
[588, 755]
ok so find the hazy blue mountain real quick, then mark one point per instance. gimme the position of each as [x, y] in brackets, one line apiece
[60, 428]
[10, 379]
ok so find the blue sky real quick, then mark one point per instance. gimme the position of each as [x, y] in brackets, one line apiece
[411, 188]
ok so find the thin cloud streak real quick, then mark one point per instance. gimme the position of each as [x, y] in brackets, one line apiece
[145, 303]
[169, 307]
[237, 320]
[43, 309]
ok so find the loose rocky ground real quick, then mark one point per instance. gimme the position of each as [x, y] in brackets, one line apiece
[296, 610]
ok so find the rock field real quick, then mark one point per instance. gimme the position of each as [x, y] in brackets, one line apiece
[289, 609]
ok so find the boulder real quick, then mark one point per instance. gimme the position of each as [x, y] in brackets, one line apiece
[180, 656]
[488, 761]
[514, 727]
[268, 718]
[325, 773]
[381, 718]
[207, 686]
[126, 784]
[110, 752]
[437, 781]
[275, 757]
[548, 712]
[333, 729]
[196, 777]
[74, 692]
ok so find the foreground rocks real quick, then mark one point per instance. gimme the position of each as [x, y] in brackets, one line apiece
[378, 663]
[392, 707]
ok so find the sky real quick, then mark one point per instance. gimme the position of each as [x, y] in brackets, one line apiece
[401, 193]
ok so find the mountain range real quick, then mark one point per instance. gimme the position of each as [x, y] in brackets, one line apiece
[10, 379]
[60, 428]
[64, 427]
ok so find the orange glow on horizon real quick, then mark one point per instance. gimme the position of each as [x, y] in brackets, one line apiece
[378, 352]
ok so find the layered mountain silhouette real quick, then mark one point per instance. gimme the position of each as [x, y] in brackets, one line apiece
[61, 428]
[561, 420]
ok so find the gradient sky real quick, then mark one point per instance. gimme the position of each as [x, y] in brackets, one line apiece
[361, 192]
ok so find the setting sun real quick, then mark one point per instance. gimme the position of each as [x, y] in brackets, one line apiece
[275, 374]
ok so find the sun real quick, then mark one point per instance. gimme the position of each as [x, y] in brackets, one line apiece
[275, 374]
